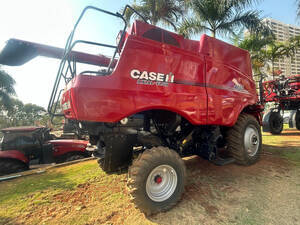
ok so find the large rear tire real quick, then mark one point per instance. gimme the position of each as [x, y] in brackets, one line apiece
[244, 140]
[8, 166]
[276, 123]
[156, 180]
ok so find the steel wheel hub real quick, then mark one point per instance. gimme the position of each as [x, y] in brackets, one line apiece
[161, 183]
[251, 140]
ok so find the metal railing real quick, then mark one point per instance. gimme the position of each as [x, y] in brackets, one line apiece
[67, 68]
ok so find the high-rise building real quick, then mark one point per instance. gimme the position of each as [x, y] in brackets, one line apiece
[283, 32]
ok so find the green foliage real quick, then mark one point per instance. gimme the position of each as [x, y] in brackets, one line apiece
[20, 114]
[222, 17]
[6, 89]
[154, 11]
[265, 50]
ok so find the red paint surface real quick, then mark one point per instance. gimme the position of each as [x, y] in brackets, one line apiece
[207, 74]
[14, 154]
[64, 146]
[20, 129]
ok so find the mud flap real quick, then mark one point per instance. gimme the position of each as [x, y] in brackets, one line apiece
[118, 151]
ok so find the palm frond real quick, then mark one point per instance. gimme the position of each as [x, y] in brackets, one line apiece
[167, 11]
[129, 14]
[242, 4]
[192, 26]
[227, 16]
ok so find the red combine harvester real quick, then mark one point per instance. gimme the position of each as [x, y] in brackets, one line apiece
[21, 147]
[164, 97]
[285, 93]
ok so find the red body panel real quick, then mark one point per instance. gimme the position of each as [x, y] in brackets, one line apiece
[14, 154]
[230, 87]
[62, 147]
[212, 82]
[21, 129]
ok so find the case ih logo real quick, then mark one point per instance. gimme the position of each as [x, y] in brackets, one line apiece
[152, 78]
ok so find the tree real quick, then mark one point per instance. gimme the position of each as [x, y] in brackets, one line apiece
[154, 11]
[6, 89]
[265, 50]
[20, 114]
[221, 17]
[256, 45]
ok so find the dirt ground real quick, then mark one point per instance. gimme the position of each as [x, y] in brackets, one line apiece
[265, 193]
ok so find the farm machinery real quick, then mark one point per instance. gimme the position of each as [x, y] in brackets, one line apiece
[284, 92]
[21, 147]
[159, 97]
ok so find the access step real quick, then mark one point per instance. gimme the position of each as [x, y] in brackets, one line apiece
[223, 161]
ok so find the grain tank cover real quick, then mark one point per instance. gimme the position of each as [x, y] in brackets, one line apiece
[228, 54]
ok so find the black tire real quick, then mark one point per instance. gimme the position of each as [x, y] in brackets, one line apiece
[244, 140]
[8, 166]
[297, 120]
[144, 168]
[73, 156]
[275, 123]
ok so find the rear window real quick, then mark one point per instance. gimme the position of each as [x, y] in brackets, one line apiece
[13, 140]
[169, 39]
[153, 34]
[156, 35]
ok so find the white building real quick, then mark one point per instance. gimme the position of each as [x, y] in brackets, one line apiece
[283, 32]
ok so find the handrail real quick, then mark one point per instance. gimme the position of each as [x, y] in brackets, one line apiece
[70, 45]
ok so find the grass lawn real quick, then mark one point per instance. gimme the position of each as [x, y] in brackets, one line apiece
[265, 193]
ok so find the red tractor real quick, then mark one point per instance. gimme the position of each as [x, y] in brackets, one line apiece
[284, 92]
[21, 147]
[164, 97]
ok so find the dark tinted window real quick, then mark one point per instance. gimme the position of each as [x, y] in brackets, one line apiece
[168, 39]
[153, 34]
[18, 140]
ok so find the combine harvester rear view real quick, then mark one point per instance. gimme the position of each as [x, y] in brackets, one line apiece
[164, 97]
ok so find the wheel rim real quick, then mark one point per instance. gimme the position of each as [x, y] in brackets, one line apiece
[161, 183]
[251, 140]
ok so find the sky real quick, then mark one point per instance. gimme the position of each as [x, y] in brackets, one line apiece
[50, 22]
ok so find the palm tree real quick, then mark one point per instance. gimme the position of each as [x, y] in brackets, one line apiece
[6, 89]
[221, 16]
[154, 11]
[256, 45]
[265, 50]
